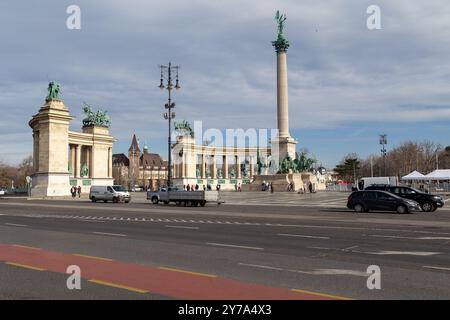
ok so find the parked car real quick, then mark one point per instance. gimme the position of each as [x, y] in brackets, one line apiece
[427, 202]
[109, 193]
[3, 191]
[364, 201]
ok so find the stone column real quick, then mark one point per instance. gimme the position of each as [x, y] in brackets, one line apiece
[203, 167]
[284, 141]
[252, 167]
[238, 167]
[225, 167]
[109, 163]
[282, 95]
[77, 173]
[214, 168]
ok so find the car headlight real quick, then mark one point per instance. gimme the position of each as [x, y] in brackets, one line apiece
[437, 198]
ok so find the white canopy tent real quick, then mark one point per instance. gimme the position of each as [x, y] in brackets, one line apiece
[439, 174]
[415, 175]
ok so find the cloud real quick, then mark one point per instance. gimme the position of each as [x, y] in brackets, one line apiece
[339, 72]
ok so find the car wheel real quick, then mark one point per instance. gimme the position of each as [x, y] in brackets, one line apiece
[359, 208]
[93, 199]
[427, 206]
[434, 208]
[202, 203]
[115, 200]
[402, 209]
[155, 200]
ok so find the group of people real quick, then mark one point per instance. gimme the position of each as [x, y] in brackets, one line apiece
[306, 186]
[197, 187]
[74, 191]
[192, 187]
[267, 186]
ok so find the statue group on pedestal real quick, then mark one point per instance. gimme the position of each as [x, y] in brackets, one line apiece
[99, 118]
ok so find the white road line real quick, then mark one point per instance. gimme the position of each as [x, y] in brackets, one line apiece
[183, 227]
[410, 238]
[16, 225]
[301, 236]
[437, 268]
[259, 266]
[408, 253]
[110, 234]
[92, 221]
[232, 246]
[320, 272]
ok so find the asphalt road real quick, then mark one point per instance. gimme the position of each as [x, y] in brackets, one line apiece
[317, 247]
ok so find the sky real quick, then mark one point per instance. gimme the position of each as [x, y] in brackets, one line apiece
[347, 84]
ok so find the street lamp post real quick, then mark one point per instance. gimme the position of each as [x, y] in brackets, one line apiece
[166, 74]
[383, 142]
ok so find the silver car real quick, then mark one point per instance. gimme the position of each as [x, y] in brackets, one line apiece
[109, 193]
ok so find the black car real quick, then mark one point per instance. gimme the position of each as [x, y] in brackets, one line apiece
[363, 201]
[428, 202]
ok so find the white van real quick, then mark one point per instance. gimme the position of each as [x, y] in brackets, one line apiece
[370, 181]
[109, 193]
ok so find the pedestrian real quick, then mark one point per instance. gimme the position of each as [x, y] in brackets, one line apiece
[196, 187]
[235, 187]
[310, 187]
[271, 187]
[192, 187]
[239, 188]
[73, 191]
[204, 188]
[188, 188]
[79, 191]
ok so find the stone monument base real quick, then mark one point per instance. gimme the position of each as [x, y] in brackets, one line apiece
[281, 181]
[50, 185]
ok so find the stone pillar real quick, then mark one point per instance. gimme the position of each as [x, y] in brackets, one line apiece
[238, 167]
[282, 96]
[286, 144]
[252, 167]
[77, 173]
[225, 166]
[88, 160]
[51, 139]
[109, 163]
[203, 170]
[214, 167]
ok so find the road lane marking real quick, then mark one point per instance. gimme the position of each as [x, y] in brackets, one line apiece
[260, 266]
[25, 266]
[437, 268]
[92, 221]
[26, 247]
[188, 272]
[183, 227]
[233, 246]
[16, 225]
[410, 238]
[110, 234]
[302, 236]
[118, 286]
[91, 257]
[325, 272]
[321, 294]
[409, 253]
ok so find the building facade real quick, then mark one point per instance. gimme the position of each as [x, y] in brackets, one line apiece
[139, 168]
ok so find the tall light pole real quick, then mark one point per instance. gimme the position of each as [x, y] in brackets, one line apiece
[383, 142]
[166, 74]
